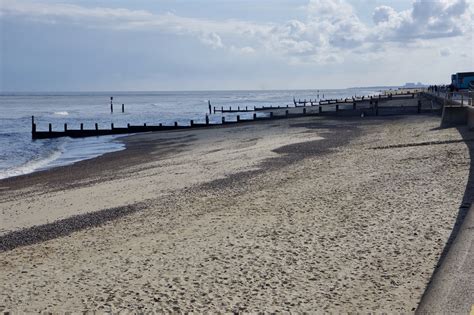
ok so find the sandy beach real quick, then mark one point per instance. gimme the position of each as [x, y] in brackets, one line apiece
[309, 214]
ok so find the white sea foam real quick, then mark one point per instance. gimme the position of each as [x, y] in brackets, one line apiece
[32, 165]
[61, 113]
[66, 153]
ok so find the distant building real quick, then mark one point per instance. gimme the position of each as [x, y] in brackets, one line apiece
[461, 80]
[410, 85]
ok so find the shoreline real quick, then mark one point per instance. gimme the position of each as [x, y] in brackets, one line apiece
[112, 138]
[114, 166]
[305, 206]
[66, 154]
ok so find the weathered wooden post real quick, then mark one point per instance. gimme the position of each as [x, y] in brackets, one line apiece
[144, 124]
[65, 127]
[223, 120]
[191, 122]
[222, 109]
[209, 103]
[112, 126]
[238, 118]
[246, 109]
[111, 104]
[254, 108]
[354, 106]
[96, 126]
[176, 124]
[33, 125]
[123, 108]
[207, 120]
[337, 108]
[304, 111]
[271, 114]
[128, 126]
[238, 108]
[50, 128]
[320, 109]
[214, 109]
[160, 125]
[230, 108]
[286, 113]
[254, 116]
[82, 126]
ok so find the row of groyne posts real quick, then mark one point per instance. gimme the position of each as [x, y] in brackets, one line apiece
[371, 101]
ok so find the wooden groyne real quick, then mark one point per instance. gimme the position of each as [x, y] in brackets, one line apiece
[355, 106]
[354, 100]
[82, 132]
[234, 110]
[310, 103]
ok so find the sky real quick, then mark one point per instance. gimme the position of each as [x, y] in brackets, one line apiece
[162, 45]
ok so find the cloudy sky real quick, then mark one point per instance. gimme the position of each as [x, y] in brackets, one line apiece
[112, 45]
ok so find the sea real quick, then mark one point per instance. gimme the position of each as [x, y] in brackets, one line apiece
[20, 154]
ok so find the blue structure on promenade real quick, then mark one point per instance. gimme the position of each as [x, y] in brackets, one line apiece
[461, 80]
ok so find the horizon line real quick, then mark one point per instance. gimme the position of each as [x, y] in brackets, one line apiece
[199, 90]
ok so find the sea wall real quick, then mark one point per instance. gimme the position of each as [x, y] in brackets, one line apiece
[453, 114]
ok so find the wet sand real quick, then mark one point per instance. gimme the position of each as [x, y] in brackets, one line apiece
[307, 214]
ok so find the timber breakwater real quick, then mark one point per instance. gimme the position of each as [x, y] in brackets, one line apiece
[366, 105]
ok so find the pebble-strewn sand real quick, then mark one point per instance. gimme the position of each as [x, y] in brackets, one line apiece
[324, 222]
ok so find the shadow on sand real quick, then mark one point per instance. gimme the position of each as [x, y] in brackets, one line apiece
[463, 208]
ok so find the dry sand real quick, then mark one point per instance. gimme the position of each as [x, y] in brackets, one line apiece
[308, 214]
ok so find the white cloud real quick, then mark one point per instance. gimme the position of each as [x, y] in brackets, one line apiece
[330, 30]
[212, 39]
[247, 50]
[428, 19]
[69, 11]
[383, 14]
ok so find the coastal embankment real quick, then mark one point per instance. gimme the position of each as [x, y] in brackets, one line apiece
[313, 213]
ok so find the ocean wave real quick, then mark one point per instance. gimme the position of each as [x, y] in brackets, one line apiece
[65, 152]
[61, 113]
[33, 165]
